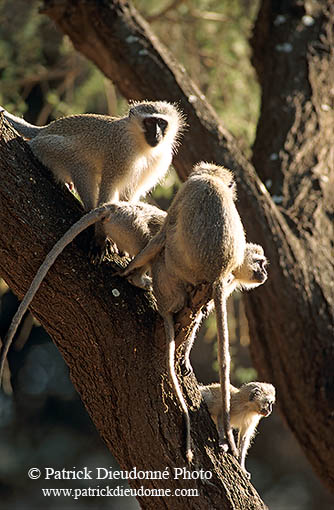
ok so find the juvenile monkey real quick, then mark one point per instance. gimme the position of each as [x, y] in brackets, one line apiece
[250, 274]
[201, 241]
[108, 158]
[249, 404]
[130, 225]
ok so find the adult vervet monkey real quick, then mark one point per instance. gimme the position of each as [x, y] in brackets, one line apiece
[201, 241]
[108, 159]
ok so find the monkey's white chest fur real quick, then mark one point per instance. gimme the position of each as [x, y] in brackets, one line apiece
[148, 169]
[244, 419]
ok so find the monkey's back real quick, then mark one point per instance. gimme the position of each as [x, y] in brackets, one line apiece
[206, 240]
[91, 132]
[131, 226]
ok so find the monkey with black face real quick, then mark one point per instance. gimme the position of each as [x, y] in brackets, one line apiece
[108, 158]
[249, 404]
[201, 241]
[130, 226]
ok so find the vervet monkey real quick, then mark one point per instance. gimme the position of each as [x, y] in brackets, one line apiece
[130, 225]
[250, 274]
[249, 404]
[201, 241]
[108, 159]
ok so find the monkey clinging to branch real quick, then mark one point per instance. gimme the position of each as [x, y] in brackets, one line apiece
[249, 404]
[249, 275]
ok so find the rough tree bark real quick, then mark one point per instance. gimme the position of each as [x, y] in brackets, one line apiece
[112, 340]
[291, 317]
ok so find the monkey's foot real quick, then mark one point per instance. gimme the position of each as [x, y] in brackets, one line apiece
[229, 445]
[224, 446]
[186, 368]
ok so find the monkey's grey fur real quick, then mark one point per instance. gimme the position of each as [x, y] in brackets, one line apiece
[108, 159]
[249, 404]
[130, 225]
[202, 241]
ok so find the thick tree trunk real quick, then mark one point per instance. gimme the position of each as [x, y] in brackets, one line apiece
[113, 342]
[292, 316]
[293, 55]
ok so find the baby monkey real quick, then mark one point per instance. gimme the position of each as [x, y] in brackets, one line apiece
[130, 226]
[249, 404]
[107, 159]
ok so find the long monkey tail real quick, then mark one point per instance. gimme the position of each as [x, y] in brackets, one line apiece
[170, 336]
[224, 360]
[22, 127]
[88, 219]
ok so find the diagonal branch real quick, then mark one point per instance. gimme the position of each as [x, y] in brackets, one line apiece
[112, 340]
[299, 295]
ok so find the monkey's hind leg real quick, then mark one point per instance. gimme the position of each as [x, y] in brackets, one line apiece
[243, 443]
[224, 363]
[170, 337]
[186, 367]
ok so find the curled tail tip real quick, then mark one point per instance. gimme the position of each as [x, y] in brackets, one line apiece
[189, 456]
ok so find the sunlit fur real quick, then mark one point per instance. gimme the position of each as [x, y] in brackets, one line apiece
[249, 404]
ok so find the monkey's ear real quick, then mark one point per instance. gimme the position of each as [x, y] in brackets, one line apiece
[254, 394]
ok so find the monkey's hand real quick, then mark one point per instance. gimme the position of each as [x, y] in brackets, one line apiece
[223, 445]
[99, 250]
[185, 366]
[140, 280]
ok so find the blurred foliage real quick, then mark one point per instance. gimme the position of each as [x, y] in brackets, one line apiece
[210, 38]
[43, 76]
[41, 73]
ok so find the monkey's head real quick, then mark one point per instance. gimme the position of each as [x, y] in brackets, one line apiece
[226, 176]
[160, 121]
[261, 397]
[253, 270]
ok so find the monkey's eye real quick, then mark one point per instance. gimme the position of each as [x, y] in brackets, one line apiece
[162, 123]
[155, 128]
[254, 394]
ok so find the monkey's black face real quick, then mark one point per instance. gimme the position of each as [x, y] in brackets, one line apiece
[266, 409]
[263, 403]
[259, 270]
[155, 130]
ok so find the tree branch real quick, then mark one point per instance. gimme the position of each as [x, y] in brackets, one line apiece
[112, 340]
[293, 312]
